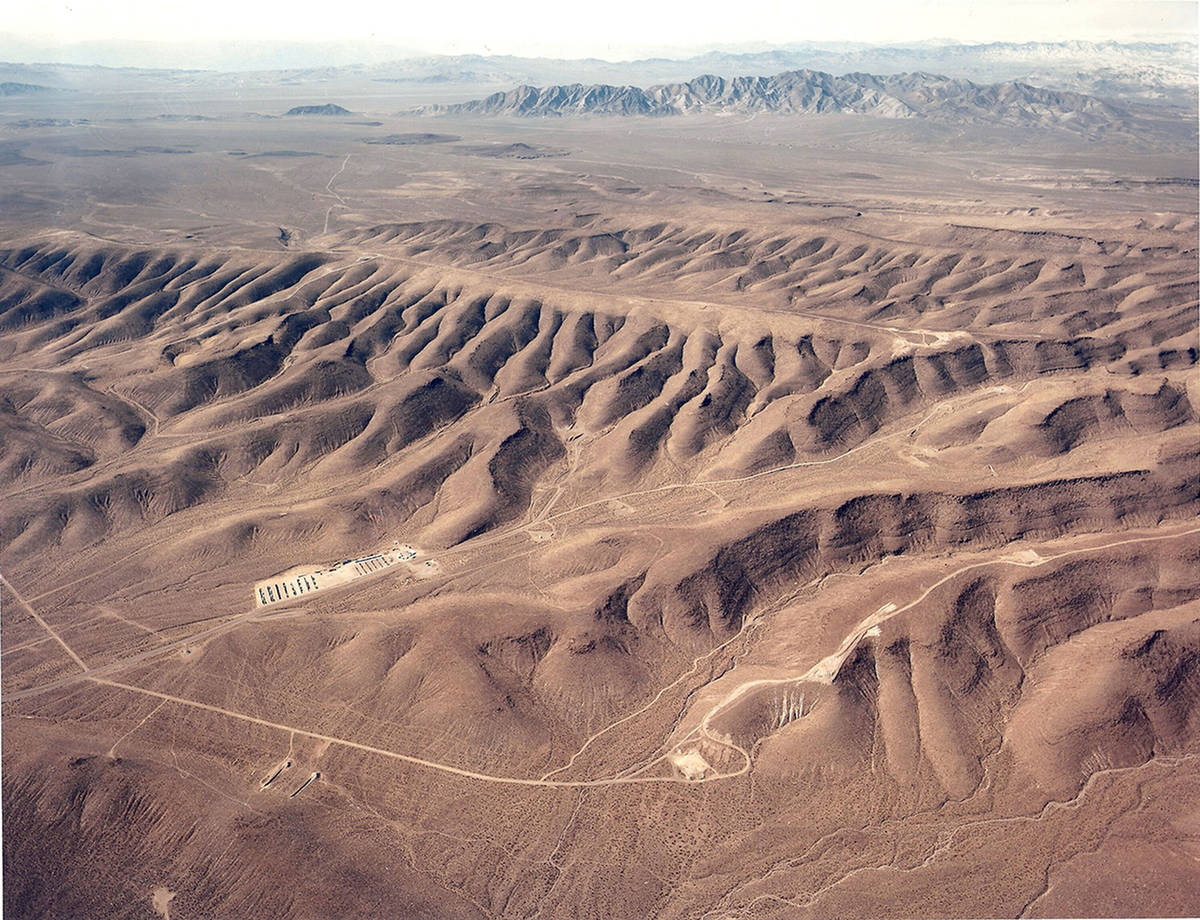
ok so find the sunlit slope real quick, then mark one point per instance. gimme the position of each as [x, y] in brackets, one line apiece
[775, 566]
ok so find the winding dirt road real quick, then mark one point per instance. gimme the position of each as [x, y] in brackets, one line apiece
[823, 671]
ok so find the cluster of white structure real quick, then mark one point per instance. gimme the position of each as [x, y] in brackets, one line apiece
[301, 582]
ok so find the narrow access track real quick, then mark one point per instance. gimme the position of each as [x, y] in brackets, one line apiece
[825, 670]
[408, 758]
[46, 626]
[703, 728]
[121, 663]
[329, 189]
[545, 516]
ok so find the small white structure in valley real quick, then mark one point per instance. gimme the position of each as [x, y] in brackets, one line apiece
[302, 581]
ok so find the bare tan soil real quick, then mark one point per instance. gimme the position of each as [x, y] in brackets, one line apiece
[812, 501]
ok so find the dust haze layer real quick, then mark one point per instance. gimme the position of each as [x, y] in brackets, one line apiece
[1128, 71]
[804, 512]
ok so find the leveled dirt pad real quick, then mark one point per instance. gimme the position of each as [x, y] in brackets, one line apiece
[300, 581]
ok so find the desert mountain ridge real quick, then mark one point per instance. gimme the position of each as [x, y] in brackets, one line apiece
[909, 95]
[328, 108]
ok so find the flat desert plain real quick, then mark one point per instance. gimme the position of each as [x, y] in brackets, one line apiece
[784, 516]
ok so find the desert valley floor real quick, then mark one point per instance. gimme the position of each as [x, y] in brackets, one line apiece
[802, 516]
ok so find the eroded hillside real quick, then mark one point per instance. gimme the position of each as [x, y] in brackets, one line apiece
[798, 566]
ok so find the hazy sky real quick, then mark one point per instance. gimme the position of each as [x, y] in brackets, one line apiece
[612, 29]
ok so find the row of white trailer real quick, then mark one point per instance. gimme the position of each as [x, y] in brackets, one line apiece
[287, 588]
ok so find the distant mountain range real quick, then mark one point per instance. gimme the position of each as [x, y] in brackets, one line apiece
[1123, 71]
[1135, 70]
[912, 95]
